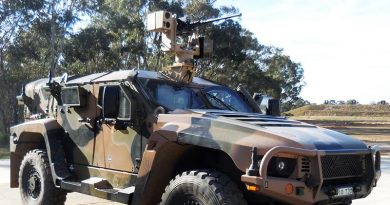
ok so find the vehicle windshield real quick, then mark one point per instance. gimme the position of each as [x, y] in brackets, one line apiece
[224, 98]
[177, 96]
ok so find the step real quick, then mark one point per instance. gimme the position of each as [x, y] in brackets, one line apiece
[101, 188]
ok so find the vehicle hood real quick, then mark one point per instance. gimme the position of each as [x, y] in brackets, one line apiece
[237, 133]
[252, 129]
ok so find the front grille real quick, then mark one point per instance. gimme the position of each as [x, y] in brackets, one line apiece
[335, 166]
[305, 165]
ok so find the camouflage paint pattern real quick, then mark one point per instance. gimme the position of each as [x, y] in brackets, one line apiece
[28, 136]
[100, 155]
[236, 137]
[229, 131]
[78, 122]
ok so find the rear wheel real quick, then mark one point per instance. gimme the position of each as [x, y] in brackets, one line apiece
[202, 187]
[36, 182]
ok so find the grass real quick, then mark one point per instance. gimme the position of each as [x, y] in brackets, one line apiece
[370, 123]
[342, 110]
[353, 119]
[366, 129]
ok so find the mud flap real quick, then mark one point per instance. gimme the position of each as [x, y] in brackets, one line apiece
[57, 156]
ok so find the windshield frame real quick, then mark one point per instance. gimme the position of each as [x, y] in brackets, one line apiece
[195, 88]
[199, 90]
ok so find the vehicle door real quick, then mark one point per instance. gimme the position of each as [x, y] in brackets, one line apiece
[118, 142]
[76, 115]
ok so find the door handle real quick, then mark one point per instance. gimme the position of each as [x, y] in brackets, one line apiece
[85, 120]
[109, 120]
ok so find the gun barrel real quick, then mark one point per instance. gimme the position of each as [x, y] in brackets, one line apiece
[197, 23]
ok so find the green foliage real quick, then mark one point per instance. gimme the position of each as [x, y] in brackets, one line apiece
[290, 105]
[4, 146]
[89, 51]
[37, 36]
[2, 139]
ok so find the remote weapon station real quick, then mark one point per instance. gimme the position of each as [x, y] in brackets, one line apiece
[179, 37]
[143, 138]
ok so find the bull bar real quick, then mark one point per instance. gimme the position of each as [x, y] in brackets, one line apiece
[271, 186]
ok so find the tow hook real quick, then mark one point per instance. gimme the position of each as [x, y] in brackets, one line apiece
[253, 169]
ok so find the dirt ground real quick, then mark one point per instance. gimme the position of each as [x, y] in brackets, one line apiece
[370, 130]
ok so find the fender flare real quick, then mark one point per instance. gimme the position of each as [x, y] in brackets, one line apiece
[47, 131]
[171, 132]
[162, 144]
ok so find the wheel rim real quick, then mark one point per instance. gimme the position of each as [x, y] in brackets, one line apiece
[188, 199]
[32, 182]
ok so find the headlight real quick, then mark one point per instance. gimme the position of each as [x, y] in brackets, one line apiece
[281, 167]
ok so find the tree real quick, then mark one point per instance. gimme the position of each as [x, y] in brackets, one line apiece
[38, 35]
[31, 42]
[300, 102]
[89, 52]
[287, 76]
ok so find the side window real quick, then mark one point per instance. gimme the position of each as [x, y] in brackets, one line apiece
[100, 97]
[111, 101]
[114, 102]
[124, 106]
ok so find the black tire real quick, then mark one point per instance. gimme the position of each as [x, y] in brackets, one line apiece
[202, 187]
[35, 181]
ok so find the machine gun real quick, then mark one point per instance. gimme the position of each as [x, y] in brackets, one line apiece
[179, 37]
[186, 26]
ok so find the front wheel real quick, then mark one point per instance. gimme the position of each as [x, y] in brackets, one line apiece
[202, 187]
[36, 182]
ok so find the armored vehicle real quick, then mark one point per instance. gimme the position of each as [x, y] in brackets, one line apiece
[143, 137]
[137, 137]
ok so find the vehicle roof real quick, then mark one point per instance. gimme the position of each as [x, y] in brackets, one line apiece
[122, 75]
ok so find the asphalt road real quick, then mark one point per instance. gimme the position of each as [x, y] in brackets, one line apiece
[379, 196]
[11, 196]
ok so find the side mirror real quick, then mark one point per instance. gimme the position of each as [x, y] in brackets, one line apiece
[267, 104]
[273, 107]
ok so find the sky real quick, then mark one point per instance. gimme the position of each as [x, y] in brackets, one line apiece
[342, 45]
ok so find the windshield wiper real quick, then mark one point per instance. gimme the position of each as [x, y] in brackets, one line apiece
[229, 107]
